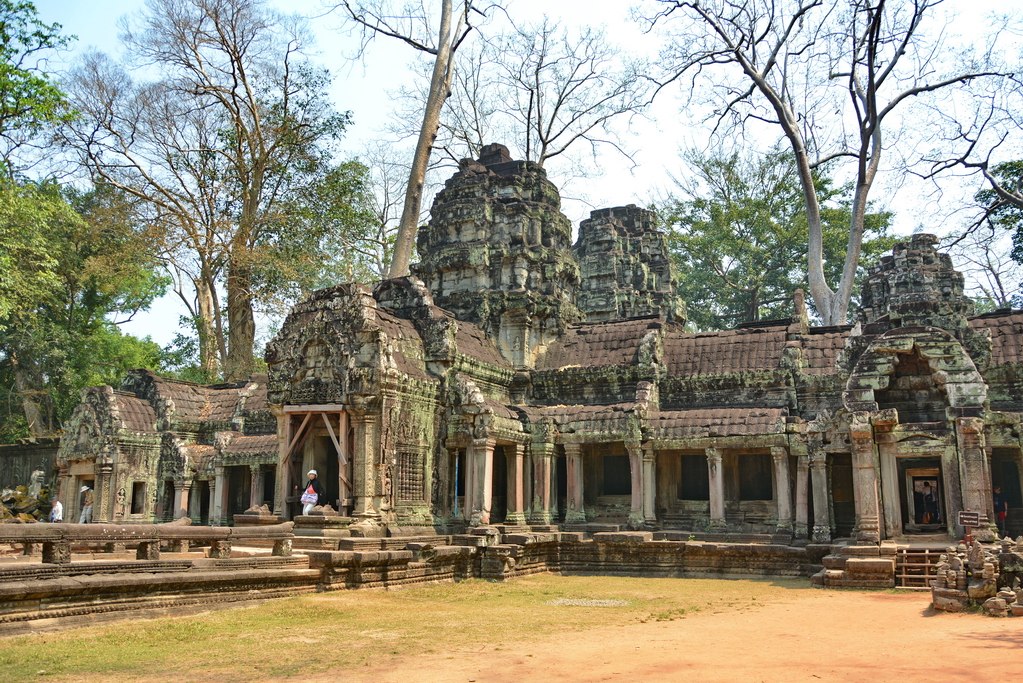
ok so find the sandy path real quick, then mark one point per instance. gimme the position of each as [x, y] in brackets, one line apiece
[815, 635]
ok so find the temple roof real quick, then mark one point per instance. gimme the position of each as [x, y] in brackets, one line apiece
[728, 351]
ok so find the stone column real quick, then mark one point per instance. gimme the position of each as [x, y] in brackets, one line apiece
[102, 498]
[717, 490]
[821, 532]
[800, 527]
[255, 485]
[890, 508]
[649, 484]
[64, 492]
[516, 484]
[181, 491]
[542, 453]
[194, 502]
[975, 476]
[212, 484]
[282, 484]
[481, 464]
[364, 464]
[636, 470]
[527, 484]
[575, 512]
[782, 492]
[219, 498]
[861, 434]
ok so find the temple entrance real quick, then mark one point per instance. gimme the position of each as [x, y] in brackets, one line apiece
[843, 505]
[204, 501]
[561, 486]
[922, 495]
[499, 490]
[239, 486]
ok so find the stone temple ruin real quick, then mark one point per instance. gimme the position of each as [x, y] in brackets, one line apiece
[520, 392]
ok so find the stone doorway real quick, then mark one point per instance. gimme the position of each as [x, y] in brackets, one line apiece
[922, 496]
[499, 487]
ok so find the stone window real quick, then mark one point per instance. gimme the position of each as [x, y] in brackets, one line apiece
[694, 484]
[617, 477]
[755, 477]
[410, 476]
[138, 498]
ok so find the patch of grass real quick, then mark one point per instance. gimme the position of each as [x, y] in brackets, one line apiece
[354, 628]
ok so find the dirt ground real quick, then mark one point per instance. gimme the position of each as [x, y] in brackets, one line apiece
[812, 636]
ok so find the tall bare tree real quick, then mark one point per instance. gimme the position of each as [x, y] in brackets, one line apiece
[234, 122]
[440, 36]
[834, 77]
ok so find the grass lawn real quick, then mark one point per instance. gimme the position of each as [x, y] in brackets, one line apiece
[353, 628]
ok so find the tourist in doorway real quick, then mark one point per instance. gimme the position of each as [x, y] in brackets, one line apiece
[313, 493]
[87, 497]
[57, 512]
[1001, 509]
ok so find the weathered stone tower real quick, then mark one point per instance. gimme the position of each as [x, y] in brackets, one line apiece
[625, 267]
[497, 252]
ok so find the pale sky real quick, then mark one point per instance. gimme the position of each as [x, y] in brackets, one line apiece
[366, 88]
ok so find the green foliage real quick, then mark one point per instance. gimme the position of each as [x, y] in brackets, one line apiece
[29, 101]
[1004, 214]
[738, 233]
[75, 265]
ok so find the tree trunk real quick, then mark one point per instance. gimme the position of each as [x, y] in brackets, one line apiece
[241, 325]
[205, 327]
[37, 415]
[440, 83]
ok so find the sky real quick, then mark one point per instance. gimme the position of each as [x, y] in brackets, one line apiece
[367, 88]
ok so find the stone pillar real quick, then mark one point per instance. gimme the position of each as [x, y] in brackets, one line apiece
[481, 464]
[181, 491]
[219, 498]
[282, 486]
[861, 434]
[636, 470]
[255, 485]
[717, 490]
[212, 484]
[102, 498]
[800, 527]
[194, 502]
[575, 512]
[542, 453]
[527, 484]
[364, 464]
[975, 476]
[649, 485]
[516, 484]
[64, 491]
[782, 491]
[821, 532]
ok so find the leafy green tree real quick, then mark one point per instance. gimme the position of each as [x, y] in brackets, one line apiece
[218, 145]
[737, 231]
[1003, 202]
[29, 100]
[74, 266]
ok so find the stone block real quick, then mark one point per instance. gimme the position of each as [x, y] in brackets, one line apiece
[982, 589]
[861, 566]
[995, 607]
[148, 550]
[949, 600]
[624, 537]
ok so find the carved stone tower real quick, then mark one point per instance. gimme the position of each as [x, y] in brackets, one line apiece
[497, 253]
[626, 269]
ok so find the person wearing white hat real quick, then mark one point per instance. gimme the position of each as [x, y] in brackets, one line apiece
[313, 494]
[86, 516]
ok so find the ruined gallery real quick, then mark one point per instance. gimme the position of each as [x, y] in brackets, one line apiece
[525, 392]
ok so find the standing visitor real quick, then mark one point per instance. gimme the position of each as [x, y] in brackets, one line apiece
[86, 516]
[1001, 510]
[313, 493]
[57, 512]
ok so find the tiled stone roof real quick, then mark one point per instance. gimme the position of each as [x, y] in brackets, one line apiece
[251, 445]
[729, 351]
[717, 422]
[136, 414]
[473, 342]
[600, 344]
[406, 343]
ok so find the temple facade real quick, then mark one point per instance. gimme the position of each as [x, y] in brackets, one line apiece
[517, 378]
